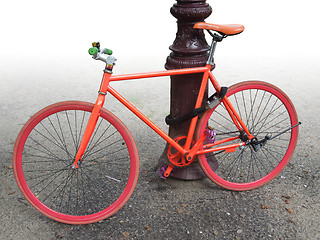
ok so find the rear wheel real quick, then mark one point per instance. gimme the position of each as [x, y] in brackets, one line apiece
[45, 151]
[266, 111]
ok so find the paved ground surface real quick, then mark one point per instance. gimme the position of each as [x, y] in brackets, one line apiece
[286, 208]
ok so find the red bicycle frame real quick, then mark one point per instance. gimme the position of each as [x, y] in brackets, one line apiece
[184, 151]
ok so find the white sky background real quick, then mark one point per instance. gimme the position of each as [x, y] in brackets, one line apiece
[64, 27]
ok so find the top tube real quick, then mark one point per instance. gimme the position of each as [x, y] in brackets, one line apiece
[160, 73]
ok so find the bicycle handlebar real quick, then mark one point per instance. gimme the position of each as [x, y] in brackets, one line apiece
[95, 50]
[98, 54]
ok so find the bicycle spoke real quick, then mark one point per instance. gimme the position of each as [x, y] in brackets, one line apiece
[252, 109]
[56, 188]
[219, 130]
[55, 142]
[97, 141]
[259, 162]
[61, 131]
[60, 138]
[257, 110]
[90, 151]
[101, 149]
[237, 160]
[71, 132]
[47, 151]
[50, 159]
[61, 192]
[78, 140]
[46, 174]
[261, 114]
[238, 106]
[52, 176]
[264, 120]
[89, 162]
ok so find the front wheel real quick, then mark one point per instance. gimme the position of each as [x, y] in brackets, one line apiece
[266, 111]
[45, 151]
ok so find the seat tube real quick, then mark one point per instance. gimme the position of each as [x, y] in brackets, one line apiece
[93, 118]
[198, 104]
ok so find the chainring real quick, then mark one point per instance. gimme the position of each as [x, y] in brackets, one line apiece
[175, 157]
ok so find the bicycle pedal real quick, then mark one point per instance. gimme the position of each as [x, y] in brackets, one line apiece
[163, 168]
[167, 171]
[211, 135]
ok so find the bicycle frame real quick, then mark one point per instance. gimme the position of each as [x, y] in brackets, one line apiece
[184, 151]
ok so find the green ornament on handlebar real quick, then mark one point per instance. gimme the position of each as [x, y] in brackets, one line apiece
[107, 51]
[93, 51]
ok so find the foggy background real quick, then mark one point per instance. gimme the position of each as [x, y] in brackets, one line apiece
[44, 51]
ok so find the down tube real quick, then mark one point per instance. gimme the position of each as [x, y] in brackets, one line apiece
[145, 119]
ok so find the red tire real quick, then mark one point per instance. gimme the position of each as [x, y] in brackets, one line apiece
[265, 110]
[45, 150]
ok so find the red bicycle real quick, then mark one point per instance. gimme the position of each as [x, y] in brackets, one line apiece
[77, 163]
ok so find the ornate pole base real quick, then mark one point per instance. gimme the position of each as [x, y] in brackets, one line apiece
[189, 49]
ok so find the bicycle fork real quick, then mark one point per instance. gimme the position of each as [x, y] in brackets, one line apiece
[93, 118]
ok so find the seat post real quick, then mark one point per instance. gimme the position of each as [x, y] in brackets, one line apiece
[212, 50]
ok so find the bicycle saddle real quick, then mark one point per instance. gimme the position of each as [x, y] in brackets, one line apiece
[225, 29]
